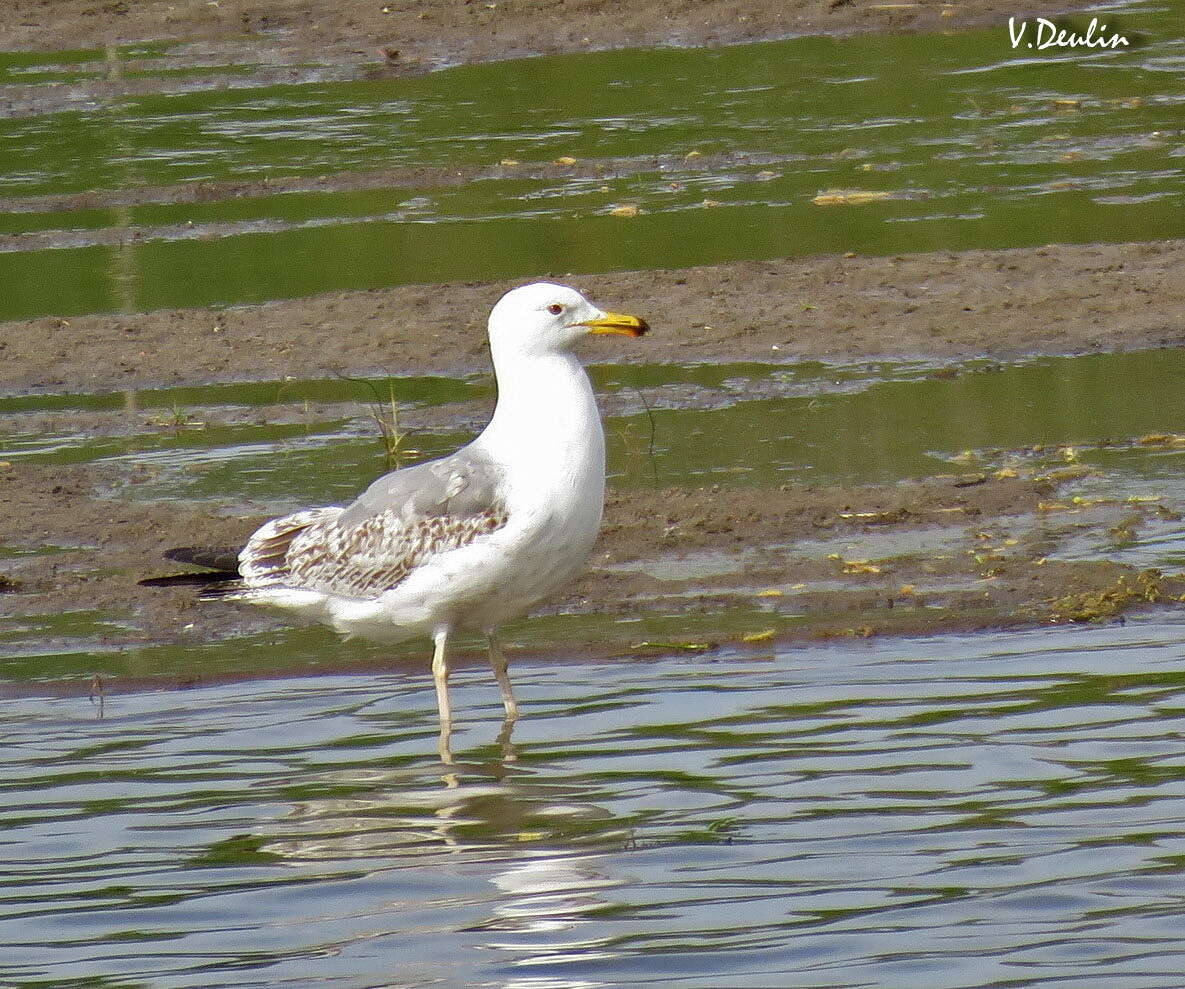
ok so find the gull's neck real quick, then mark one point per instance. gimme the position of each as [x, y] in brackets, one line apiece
[546, 421]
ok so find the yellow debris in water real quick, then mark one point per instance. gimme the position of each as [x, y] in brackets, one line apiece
[1057, 506]
[772, 592]
[1162, 439]
[1067, 104]
[693, 154]
[626, 209]
[859, 632]
[565, 160]
[1005, 472]
[762, 636]
[849, 197]
[674, 646]
[860, 566]
[1066, 474]
[906, 589]
[508, 163]
[871, 516]
[709, 203]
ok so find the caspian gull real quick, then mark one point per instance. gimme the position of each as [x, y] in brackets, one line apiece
[471, 540]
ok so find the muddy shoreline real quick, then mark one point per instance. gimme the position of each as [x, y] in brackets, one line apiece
[407, 37]
[78, 539]
[947, 554]
[944, 306]
[953, 553]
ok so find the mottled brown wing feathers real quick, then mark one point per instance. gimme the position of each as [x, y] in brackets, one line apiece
[369, 558]
[264, 560]
[364, 553]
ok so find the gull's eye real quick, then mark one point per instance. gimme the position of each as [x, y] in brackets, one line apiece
[555, 309]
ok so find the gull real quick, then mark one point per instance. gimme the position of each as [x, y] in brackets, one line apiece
[470, 540]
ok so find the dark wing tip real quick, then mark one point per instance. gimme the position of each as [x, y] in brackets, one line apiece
[190, 579]
[222, 561]
[215, 557]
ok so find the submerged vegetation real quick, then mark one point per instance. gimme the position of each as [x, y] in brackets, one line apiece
[1129, 591]
[385, 416]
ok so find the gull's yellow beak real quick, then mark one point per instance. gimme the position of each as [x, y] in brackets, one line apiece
[611, 322]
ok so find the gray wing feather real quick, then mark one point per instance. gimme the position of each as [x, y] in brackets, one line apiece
[462, 485]
[401, 520]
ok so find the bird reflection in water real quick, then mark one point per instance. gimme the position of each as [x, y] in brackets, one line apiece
[538, 842]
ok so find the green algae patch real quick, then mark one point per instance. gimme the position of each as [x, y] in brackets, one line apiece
[1130, 590]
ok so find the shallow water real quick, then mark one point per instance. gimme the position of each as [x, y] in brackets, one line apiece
[1003, 151]
[997, 810]
[270, 447]
[296, 442]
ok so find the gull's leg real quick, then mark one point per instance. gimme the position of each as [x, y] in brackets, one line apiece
[506, 741]
[498, 662]
[98, 692]
[440, 677]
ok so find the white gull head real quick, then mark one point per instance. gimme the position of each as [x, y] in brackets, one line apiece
[541, 319]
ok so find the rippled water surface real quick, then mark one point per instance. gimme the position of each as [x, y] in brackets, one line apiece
[999, 811]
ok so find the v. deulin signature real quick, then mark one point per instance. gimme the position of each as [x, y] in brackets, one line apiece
[1049, 35]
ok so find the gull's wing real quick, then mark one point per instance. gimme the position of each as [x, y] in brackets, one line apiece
[400, 521]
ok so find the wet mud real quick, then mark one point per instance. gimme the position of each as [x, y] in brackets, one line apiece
[795, 562]
[711, 569]
[1058, 299]
[405, 37]
[951, 553]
